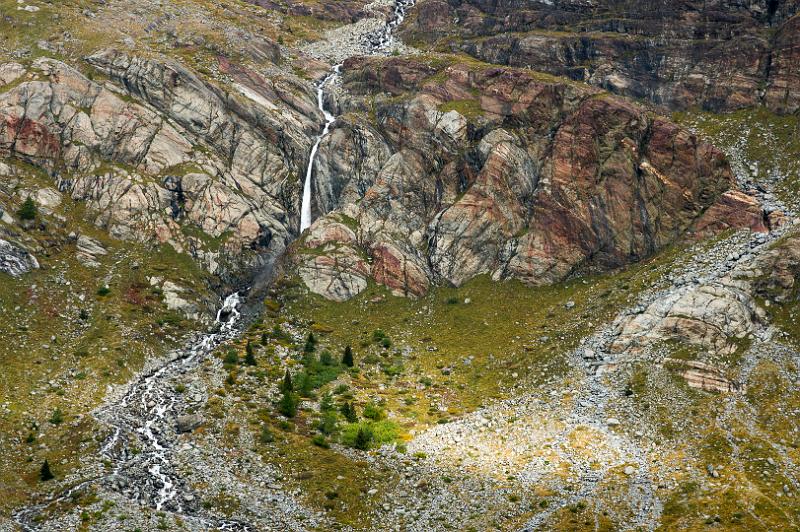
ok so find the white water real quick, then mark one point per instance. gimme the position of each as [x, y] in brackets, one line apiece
[149, 399]
[305, 211]
[378, 43]
[227, 317]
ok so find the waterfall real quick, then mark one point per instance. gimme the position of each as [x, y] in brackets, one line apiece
[378, 42]
[305, 212]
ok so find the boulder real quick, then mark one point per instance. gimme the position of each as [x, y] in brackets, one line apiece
[188, 422]
[15, 260]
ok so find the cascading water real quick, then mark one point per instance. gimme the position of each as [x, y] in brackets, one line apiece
[377, 43]
[142, 415]
[305, 212]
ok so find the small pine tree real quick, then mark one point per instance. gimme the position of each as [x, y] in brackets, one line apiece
[288, 404]
[326, 403]
[287, 385]
[311, 343]
[250, 357]
[362, 440]
[44, 473]
[264, 339]
[349, 412]
[347, 357]
[28, 210]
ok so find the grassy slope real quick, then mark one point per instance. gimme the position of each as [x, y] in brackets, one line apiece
[515, 338]
[56, 356]
[765, 145]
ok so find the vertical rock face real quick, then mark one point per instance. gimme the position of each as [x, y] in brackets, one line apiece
[482, 170]
[718, 55]
[158, 153]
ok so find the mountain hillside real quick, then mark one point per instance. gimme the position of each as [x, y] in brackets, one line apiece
[397, 265]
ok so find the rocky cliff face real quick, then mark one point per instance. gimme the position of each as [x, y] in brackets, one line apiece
[158, 153]
[438, 169]
[441, 171]
[718, 55]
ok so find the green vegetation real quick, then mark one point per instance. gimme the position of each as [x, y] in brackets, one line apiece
[44, 473]
[250, 357]
[367, 434]
[347, 357]
[85, 327]
[757, 137]
[28, 210]
[57, 418]
[469, 109]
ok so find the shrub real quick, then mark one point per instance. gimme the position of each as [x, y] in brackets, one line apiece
[103, 291]
[288, 404]
[374, 412]
[58, 417]
[349, 412]
[394, 370]
[305, 384]
[231, 357]
[362, 439]
[317, 373]
[386, 343]
[28, 210]
[266, 435]
[327, 423]
[320, 441]
[326, 403]
[326, 359]
[374, 432]
[250, 357]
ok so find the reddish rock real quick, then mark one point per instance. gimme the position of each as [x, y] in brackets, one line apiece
[544, 178]
[27, 138]
[733, 210]
[391, 268]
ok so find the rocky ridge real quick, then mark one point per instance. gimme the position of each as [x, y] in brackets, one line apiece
[238, 191]
[719, 55]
